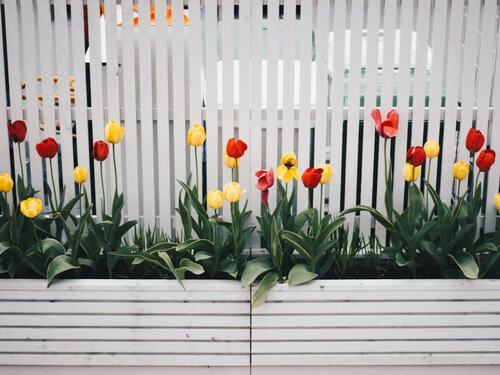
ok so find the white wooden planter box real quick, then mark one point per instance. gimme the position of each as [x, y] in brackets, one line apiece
[340, 326]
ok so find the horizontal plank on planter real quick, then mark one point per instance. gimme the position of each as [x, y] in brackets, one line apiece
[124, 322]
[379, 322]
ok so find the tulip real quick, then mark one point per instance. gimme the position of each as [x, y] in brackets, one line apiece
[17, 131]
[474, 141]
[235, 148]
[265, 180]
[387, 128]
[6, 183]
[31, 207]
[232, 192]
[312, 177]
[100, 151]
[80, 175]
[230, 162]
[215, 199]
[196, 135]
[485, 160]
[461, 170]
[47, 148]
[416, 156]
[497, 201]
[410, 172]
[114, 132]
[327, 174]
[288, 168]
[431, 149]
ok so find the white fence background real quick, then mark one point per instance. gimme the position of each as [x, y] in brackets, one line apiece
[282, 75]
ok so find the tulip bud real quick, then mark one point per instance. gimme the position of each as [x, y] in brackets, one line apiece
[431, 148]
[31, 207]
[215, 199]
[327, 174]
[114, 132]
[497, 201]
[311, 177]
[474, 140]
[47, 148]
[461, 170]
[80, 175]
[230, 162]
[232, 192]
[6, 183]
[100, 150]
[410, 172]
[17, 131]
[485, 160]
[416, 156]
[196, 135]
[235, 148]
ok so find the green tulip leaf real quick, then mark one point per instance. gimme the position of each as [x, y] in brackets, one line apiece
[254, 269]
[467, 264]
[59, 264]
[300, 274]
[266, 284]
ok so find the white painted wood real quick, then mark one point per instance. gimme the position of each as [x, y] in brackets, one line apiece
[131, 159]
[342, 369]
[304, 133]
[144, 370]
[370, 94]
[4, 136]
[289, 87]
[165, 183]
[337, 124]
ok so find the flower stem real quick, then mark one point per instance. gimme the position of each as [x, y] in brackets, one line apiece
[321, 201]
[427, 189]
[103, 191]
[116, 173]
[197, 178]
[20, 160]
[385, 161]
[53, 184]
[458, 192]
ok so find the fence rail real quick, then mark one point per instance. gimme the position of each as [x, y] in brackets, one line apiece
[283, 75]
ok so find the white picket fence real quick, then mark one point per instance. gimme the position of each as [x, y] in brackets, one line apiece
[268, 71]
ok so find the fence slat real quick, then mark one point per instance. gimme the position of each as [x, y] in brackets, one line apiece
[370, 96]
[289, 24]
[305, 37]
[163, 123]
[4, 136]
[337, 124]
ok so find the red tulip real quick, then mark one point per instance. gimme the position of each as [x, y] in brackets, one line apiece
[312, 177]
[387, 128]
[100, 150]
[17, 131]
[474, 140]
[416, 156]
[265, 179]
[235, 148]
[47, 148]
[485, 160]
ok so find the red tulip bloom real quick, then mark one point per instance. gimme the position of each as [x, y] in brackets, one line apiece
[265, 179]
[416, 156]
[100, 150]
[235, 148]
[47, 148]
[312, 177]
[17, 131]
[387, 128]
[474, 141]
[485, 160]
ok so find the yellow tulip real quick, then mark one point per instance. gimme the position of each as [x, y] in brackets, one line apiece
[6, 183]
[431, 149]
[288, 168]
[410, 173]
[196, 135]
[114, 132]
[461, 170]
[230, 162]
[31, 207]
[497, 201]
[80, 175]
[215, 199]
[232, 192]
[327, 174]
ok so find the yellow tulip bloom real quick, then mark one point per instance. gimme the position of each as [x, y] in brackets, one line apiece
[196, 135]
[232, 192]
[114, 132]
[31, 207]
[431, 149]
[497, 201]
[230, 162]
[410, 173]
[461, 170]
[288, 168]
[327, 174]
[215, 199]
[6, 183]
[80, 175]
